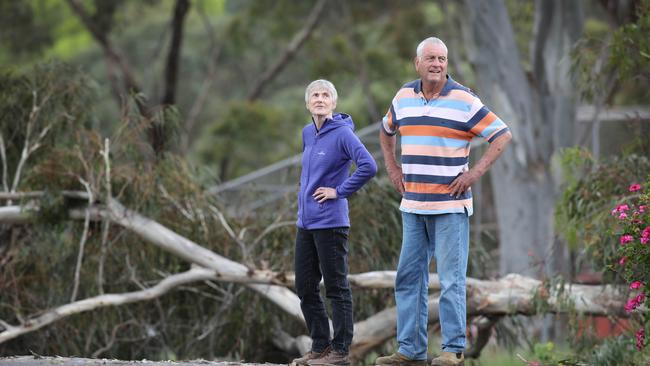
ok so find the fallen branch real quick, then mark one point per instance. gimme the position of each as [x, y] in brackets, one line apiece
[159, 235]
[50, 316]
[511, 295]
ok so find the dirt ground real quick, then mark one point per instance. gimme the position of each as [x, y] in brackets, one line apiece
[54, 361]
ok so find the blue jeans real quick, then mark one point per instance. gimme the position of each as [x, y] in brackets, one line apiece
[323, 253]
[446, 237]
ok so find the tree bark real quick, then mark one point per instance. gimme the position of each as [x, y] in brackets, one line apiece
[157, 130]
[540, 110]
[52, 315]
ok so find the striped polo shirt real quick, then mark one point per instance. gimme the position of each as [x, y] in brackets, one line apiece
[435, 136]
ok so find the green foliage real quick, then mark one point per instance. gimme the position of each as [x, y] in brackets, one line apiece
[591, 191]
[246, 124]
[615, 351]
[18, 18]
[603, 214]
[617, 60]
[631, 47]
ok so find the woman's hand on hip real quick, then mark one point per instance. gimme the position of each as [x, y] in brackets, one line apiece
[323, 194]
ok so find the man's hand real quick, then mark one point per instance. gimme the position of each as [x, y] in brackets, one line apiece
[462, 183]
[323, 194]
[396, 177]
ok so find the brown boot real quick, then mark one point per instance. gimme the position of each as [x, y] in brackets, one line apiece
[398, 359]
[310, 356]
[331, 358]
[449, 359]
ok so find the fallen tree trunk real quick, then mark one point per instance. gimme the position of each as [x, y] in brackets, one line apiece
[77, 307]
[161, 236]
[511, 295]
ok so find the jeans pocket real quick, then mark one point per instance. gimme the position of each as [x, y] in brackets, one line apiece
[341, 232]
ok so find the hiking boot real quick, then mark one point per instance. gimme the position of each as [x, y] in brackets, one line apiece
[331, 358]
[398, 359]
[449, 359]
[303, 361]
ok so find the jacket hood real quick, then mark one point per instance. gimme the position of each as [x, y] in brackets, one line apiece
[338, 120]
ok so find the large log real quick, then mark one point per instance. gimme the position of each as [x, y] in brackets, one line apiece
[510, 295]
[161, 236]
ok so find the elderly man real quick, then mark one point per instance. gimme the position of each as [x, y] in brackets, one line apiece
[437, 118]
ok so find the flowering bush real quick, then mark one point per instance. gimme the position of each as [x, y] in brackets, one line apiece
[632, 227]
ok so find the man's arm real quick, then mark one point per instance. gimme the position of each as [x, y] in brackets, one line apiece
[465, 180]
[394, 170]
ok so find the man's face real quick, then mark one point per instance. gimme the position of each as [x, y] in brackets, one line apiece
[321, 103]
[432, 64]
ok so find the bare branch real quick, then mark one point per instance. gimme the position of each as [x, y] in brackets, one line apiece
[188, 215]
[109, 50]
[105, 223]
[231, 232]
[3, 156]
[111, 341]
[50, 316]
[82, 242]
[268, 229]
[295, 44]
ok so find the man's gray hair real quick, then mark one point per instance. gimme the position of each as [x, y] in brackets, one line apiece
[432, 40]
[321, 84]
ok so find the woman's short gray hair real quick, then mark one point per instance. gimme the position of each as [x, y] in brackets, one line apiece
[321, 84]
[433, 40]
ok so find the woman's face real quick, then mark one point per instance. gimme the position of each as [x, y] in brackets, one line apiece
[321, 103]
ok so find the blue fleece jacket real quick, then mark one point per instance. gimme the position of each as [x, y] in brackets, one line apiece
[327, 155]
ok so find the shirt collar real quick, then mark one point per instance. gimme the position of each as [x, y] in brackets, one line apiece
[449, 85]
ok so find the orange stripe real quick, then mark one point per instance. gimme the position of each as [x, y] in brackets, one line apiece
[434, 131]
[426, 150]
[406, 93]
[486, 121]
[460, 95]
[426, 187]
[440, 205]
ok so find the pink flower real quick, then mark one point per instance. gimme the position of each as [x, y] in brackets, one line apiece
[622, 216]
[622, 261]
[634, 302]
[640, 339]
[645, 240]
[626, 239]
[631, 305]
[622, 207]
[537, 363]
[635, 187]
[639, 298]
[642, 208]
[635, 285]
[646, 232]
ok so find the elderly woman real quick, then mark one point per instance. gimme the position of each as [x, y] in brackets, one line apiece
[329, 148]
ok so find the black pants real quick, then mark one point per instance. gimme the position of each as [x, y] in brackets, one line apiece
[320, 254]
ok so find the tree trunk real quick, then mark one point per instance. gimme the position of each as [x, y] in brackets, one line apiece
[539, 107]
[514, 294]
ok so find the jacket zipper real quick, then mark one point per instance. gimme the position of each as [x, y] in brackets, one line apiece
[304, 198]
